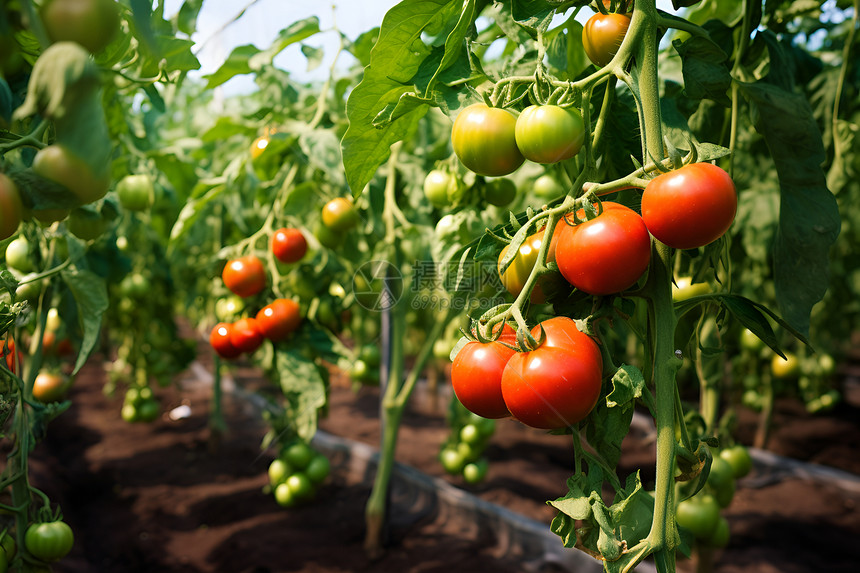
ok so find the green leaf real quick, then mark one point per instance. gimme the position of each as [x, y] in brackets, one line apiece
[314, 56]
[362, 46]
[186, 19]
[533, 15]
[90, 293]
[305, 389]
[238, 63]
[706, 73]
[395, 60]
[610, 421]
[808, 214]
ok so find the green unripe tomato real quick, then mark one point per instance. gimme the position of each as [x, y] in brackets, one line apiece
[53, 322]
[436, 187]
[29, 289]
[11, 208]
[699, 514]
[298, 455]
[284, 495]
[136, 192]
[500, 192]
[61, 165]
[49, 541]
[721, 474]
[725, 493]
[738, 457]
[549, 133]
[228, 309]
[475, 472]
[129, 413]
[547, 187]
[327, 237]
[722, 533]
[300, 486]
[18, 255]
[485, 142]
[149, 410]
[318, 469]
[279, 471]
[452, 460]
[470, 434]
[90, 23]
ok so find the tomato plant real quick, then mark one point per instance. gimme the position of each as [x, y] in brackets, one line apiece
[603, 35]
[49, 541]
[485, 142]
[549, 133]
[606, 254]
[244, 276]
[289, 245]
[691, 206]
[277, 320]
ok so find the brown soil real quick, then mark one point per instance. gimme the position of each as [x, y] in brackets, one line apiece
[144, 498]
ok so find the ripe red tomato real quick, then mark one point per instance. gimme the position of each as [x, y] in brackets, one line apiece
[11, 208]
[61, 165]
[554, 386]
[602, 36]
[484, 139]
[476, 375]
[245, 336]
[244, 276]
[339, 215]
[277, 320]
[289, 245]
[516, 275]
[606, 254]
[549, 133]
[219, 338]
[691, 206]
[562, 332]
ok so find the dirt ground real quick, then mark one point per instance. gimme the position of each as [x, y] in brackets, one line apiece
[145, 498]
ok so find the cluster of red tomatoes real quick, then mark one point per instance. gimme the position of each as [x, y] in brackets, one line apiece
[553, 386]
[246, 277]
[684, 209]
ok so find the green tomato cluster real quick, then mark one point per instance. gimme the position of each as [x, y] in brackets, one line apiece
[140, 405]
[295, 475]
[700, 514]
[463, 453]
